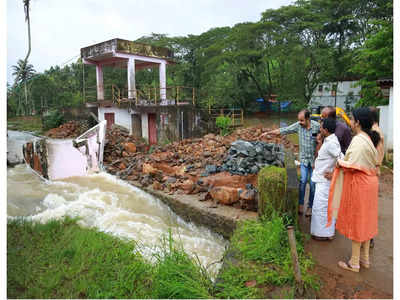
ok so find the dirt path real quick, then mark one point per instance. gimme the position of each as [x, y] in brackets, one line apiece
[376, 282]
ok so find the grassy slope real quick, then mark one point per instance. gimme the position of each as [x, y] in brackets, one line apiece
[31, 124]
[62, 260]
[262, 265]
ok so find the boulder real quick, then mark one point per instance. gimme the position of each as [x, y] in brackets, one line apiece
[225, 195]
[129, 147]
[148, 169]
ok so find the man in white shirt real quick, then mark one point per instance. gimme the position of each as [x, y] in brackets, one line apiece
[328, 154]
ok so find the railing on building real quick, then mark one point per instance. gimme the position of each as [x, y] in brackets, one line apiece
[145, 95]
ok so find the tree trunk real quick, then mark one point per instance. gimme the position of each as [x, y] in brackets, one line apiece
[26, 99]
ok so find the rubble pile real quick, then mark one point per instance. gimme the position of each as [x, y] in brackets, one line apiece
[71, 129]
[219, 168]
[119, 144]
[249, 157]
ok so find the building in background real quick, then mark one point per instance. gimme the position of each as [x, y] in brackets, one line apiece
[386, 113]
[344, 94]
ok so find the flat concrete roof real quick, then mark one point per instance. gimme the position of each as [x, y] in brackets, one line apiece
[105, 50]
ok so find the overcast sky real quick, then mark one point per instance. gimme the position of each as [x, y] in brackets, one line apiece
[60, 28]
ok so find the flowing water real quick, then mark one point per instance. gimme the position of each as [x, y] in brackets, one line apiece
[111, 205]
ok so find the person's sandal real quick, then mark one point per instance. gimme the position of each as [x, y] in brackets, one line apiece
[347, 266]
[364, 264]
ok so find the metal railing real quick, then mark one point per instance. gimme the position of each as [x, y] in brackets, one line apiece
[146, 95]
[235, 114]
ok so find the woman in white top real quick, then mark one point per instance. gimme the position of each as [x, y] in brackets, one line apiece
[325, 162]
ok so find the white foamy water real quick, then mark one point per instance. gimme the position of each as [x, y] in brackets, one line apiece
[111, 205]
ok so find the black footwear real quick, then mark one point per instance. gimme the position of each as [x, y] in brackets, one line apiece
[371, 244]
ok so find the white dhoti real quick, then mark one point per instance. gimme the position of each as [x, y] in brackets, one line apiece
[319, 215]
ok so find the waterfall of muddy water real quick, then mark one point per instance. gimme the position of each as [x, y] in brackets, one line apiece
[111, 205]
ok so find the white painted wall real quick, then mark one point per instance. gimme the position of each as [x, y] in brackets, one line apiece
[121, 116]
[145, 126]
[386, 121]
[325, 97]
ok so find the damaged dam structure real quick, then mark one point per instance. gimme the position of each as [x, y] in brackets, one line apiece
[54, 159]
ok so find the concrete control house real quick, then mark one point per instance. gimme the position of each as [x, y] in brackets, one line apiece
[154, 113]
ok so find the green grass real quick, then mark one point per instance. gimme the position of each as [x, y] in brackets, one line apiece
[59, 259]
[263, 255]
[31, 124]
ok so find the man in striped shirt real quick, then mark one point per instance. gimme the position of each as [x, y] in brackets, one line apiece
[307, 130]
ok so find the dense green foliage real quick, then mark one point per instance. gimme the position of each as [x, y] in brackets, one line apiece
[262, 253]
[288, 52]
[59, 259]
[54, 119]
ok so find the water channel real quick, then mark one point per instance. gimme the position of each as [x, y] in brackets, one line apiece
[110, 205]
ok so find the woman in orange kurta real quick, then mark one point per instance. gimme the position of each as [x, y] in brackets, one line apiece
[353, 195]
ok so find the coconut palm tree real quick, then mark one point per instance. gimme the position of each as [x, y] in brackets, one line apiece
[27, 19]
[23, 72]
[25, 61]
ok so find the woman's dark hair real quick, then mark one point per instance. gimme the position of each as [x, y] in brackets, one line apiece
[364, 117]
[329, 124]
[374, 114]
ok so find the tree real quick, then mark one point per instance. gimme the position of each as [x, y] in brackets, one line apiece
[27, 19]
[375, 61]
[23, 72]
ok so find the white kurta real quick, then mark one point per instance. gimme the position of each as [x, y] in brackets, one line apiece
[327, 156]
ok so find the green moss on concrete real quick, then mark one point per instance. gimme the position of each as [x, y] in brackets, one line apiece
[292, 187]
[272, 190]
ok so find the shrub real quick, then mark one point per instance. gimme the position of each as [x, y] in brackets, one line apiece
[223, 123]
[54, 119]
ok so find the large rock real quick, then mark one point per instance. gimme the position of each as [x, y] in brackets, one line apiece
[129, 147]
[225, 195]
[148, 169]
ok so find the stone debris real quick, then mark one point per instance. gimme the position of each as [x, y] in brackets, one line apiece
[249, 157]
[221, 169]
[71, 129]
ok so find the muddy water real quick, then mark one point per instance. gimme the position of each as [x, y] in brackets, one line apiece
[104, 202]
[270, 120]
